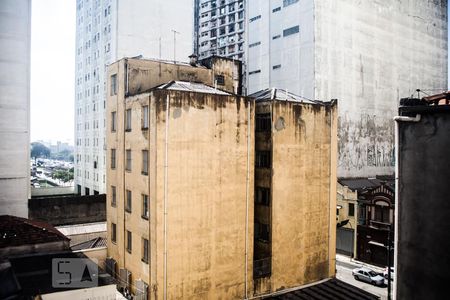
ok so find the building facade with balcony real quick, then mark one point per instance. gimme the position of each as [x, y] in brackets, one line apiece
[219, 28]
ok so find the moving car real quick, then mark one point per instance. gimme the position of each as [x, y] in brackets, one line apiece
[368, 275]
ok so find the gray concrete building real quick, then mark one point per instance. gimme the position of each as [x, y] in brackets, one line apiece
[15, 39]
[219, 28]
[364, 53]
[108, 30]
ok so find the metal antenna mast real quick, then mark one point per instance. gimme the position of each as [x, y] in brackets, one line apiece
[175, 45]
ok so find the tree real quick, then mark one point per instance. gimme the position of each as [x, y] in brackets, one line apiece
[39, 150]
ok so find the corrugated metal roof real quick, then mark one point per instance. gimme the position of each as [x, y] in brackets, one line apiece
[280, 94]
[332, 289]
[191, 87]
[91, 244]
[69, 230]
[361, 184]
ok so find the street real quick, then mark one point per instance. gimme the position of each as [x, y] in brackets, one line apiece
[344, 273]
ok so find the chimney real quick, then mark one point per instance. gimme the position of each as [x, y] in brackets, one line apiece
[193, 60]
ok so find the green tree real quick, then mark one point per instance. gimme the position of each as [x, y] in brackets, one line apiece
[39, 150]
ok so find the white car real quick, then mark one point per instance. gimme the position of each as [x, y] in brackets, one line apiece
[368, 275]
[385, 273]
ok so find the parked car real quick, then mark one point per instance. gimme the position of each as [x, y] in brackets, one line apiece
[385, 273]
[368, 275]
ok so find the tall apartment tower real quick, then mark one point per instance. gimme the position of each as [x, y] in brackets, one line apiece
[219, 28]
[108, 30]
[364, 53]
[15, 39]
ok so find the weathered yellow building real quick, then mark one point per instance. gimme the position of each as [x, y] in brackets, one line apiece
[184, 214]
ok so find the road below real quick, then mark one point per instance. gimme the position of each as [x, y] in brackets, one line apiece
[344, 273]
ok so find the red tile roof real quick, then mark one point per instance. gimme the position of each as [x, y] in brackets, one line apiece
[15, 231]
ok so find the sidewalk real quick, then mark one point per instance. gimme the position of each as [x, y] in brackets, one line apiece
[346, 260]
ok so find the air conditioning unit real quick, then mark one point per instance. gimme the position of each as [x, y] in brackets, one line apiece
[124, 279]
[141, 290]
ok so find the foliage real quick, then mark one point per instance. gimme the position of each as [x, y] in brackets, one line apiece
[39, 150]
[63, 175]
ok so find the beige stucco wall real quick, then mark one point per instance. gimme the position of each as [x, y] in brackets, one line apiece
[209, 157]
[303, 193]
[344, 197]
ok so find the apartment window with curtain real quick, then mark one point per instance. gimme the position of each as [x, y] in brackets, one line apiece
[145, 162]
[128, 162]
[128, 120]
[128, 201]
[113, 196]
[144, 117]
[145, 250]
[129, 241]
[145, 210]
[113, 158]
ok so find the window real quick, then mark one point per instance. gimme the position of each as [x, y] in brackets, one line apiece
[113, 196]
[263, 122]
[254, 18]
[113, 232]
[220, 79]
[145, 210]
[145, 162]
[113, 158]
[262, 232]
[128, 120]
[145, 117]
[262, 196]
[128, 202]
[351, 210]
[113, 121]
[254, 72]
[289, 2]
[382, 214]
[129, 241]
[254, 44]
[290, 31]
[145, 250]
[262, 159]
[276, 67]
[276, 9]
[128, 162]
[113, 84]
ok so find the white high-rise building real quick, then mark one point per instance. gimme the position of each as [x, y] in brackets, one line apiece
[219, 28]
[15, 40]
[108, 30]
[367, 54]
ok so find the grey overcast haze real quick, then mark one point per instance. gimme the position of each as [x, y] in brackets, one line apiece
[53, 70]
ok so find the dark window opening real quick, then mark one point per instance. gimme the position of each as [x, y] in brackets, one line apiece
[263, 122]
[262, 196]
[220, 79]
[262, 159]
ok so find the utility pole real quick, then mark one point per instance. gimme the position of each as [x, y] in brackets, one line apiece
[175, 45]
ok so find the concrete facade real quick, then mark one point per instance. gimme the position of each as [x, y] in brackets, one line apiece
[364, 53]
[422, 208]
[109, 30]
[219, 28]
[200, 186]
[15, 39]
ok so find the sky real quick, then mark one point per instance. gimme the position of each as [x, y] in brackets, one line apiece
[53, 70]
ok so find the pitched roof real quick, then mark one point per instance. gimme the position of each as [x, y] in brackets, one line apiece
[91, 244]
[15, 231]
[280, 94]
[332, 289]
[191, 87]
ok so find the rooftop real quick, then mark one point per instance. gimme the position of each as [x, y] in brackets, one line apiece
[332, 289]
[361, 184]
[15, 231]
[280, 94]
[99, 242]
[191, 87]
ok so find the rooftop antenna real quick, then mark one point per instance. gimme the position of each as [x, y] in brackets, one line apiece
[175, 45]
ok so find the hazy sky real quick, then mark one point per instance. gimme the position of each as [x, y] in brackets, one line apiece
[53, 69]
